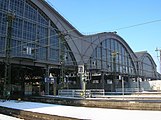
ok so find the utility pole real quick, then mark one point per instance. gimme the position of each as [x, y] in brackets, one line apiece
[62, 57]
[114, 54]
[7, 76]
[159, 50]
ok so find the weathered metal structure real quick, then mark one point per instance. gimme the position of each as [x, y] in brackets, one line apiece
[45, 50]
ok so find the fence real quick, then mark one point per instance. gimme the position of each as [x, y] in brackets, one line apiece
[129, 89]
[81, 93]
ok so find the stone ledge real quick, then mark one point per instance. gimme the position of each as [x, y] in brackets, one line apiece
[109, 104]
[26, 115]
[112, 104]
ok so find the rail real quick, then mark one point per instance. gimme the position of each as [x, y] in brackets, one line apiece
[81, 93]
[130, 89]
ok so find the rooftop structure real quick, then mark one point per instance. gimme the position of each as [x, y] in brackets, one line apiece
[45, 51]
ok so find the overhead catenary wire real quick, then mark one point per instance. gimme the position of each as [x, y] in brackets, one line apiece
[139, 24]
[83, 36]
[58, 34]
[126, 27]
[54, 43]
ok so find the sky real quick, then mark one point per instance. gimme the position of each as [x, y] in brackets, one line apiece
[138, 22]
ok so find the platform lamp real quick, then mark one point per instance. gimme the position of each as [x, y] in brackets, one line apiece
[159, 50]
[114, 54]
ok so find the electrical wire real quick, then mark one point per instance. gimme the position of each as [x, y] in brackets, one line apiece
[140, 24]
[68, 31]
[79, 38]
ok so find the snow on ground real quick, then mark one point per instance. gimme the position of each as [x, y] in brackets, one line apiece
[5, 117]
[83, 112]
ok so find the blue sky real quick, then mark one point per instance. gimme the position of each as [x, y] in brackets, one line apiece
[93, 16]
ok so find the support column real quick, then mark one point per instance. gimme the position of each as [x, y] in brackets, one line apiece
[82, 75]
[55, 86]
[7, 81]
[83, 84]
[114, 71]
[103, 80]
[47, 83]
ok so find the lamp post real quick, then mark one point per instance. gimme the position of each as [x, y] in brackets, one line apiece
[114, 54]
[138, 79]
[62, 73]
[159, 50]
[62, 57]
[7, 76]
[123, 87]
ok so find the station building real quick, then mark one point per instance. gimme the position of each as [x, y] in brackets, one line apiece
[41, 51]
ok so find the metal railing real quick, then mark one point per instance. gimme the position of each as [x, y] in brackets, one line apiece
[130, 89]
[81, 93]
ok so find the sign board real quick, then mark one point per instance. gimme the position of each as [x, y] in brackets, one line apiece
[80, 69]
[49, 79]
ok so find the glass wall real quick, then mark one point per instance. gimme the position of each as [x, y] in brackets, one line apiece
[34, 35]
[148, 69]
[111, 56]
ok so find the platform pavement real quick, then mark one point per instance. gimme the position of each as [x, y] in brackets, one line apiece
[6, 117]
[126, 102]
[44, 111]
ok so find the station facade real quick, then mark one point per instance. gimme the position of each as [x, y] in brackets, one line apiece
[40, 51]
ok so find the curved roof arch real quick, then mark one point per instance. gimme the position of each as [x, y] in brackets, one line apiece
[81, 45]
[144, 54]
[146, 64]
[62, 24]
[75, 39]
[67, 30]
[98, 38]
[141, 56]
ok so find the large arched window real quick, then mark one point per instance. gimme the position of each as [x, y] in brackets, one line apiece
[103, 58]
[34, 35]
[148, 68]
